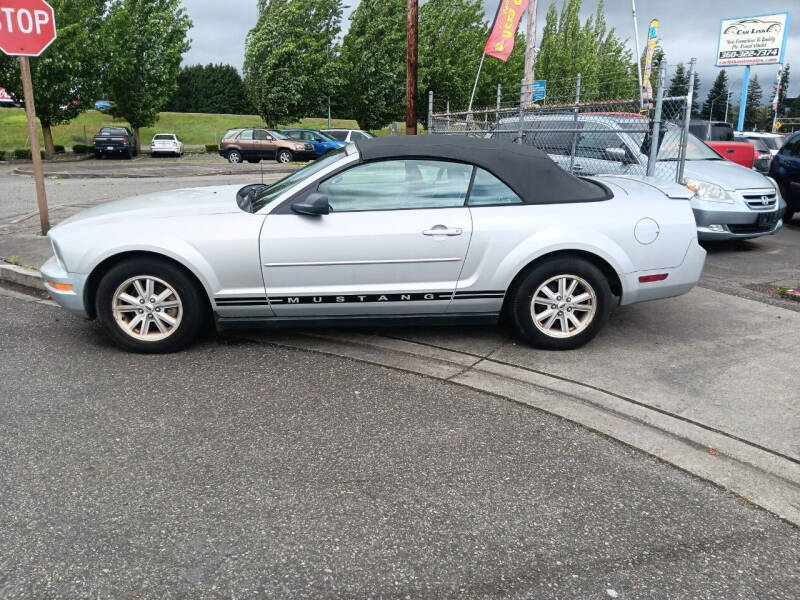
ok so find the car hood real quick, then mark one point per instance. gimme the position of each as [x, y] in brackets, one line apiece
[172, 203]
[725, 174]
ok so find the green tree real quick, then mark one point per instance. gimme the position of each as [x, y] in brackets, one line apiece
[210, 89]
[288, 66]
[452, 35]
[679, 86]
[372, 63]
[67, 77]
[569, 47]
[714, 106]
[147, 39]
[754, 95]
[784, 86]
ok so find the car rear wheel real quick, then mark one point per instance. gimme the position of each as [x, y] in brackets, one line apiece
[561, 304]
[234, 156]
[150, 306]
[284, 156]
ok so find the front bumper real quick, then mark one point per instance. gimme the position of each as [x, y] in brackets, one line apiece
[734, 221]
[72, 300]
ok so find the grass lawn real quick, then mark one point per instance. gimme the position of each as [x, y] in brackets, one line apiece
[193, 129]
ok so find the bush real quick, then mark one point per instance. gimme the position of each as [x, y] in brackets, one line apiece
[212, 147]
[22, 153]
[2, 154]
[60, 149]
[82, 149]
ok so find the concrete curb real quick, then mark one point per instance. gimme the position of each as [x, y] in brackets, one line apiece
[21, 276]
[149, 175]
[759, 475]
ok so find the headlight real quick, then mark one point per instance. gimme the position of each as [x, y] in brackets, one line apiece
[299, 146]
[708, 191]
[775, 185]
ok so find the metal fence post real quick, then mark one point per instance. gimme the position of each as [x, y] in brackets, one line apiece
[499, 97]
[686, 118]
[575, 123]
[521, 109]
[654, 137]
[447, 125]
[430, 110]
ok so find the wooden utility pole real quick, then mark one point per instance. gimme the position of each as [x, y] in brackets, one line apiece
[33, 132]
[530, 51]
[411, 68]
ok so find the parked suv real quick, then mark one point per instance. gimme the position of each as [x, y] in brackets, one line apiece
[115, 140]
[730, 201]
[766, 146]
[254, 144]
[785, 168]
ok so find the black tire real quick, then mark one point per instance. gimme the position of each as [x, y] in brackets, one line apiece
[284, 156]
[192, 299]
[129, 154]
[587, 275]
[234, 156]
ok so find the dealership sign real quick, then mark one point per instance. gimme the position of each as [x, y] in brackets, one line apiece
[759, 40]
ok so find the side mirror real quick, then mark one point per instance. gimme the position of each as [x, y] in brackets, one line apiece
[315, 204]
[318, 139]
[617, 154]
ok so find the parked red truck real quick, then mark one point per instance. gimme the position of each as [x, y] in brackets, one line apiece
[719, 136]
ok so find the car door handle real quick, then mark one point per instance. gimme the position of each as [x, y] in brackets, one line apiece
[442, 230]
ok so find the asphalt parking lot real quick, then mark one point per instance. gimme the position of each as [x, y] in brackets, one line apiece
[294, 466]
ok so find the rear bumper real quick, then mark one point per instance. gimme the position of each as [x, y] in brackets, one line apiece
[72, 300]
[679, 279]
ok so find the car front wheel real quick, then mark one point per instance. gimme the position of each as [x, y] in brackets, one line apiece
[150, 306]
[561, 304]
[284, 156]
[234, 156]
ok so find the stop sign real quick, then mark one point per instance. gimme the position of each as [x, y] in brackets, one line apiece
[27, 27]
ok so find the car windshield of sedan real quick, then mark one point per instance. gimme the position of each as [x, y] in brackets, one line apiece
[276, 189]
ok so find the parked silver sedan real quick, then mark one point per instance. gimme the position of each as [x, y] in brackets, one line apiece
[399, 230]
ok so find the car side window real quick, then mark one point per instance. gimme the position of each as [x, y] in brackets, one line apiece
[260, 134]
[488, 190]
[247, 134]
[338, 135]
[593, 144]
[355, 136]
[397, 185]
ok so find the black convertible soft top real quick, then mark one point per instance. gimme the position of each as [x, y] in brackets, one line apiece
[525, 169]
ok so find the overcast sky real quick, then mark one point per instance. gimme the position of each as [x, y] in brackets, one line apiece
[688, 29]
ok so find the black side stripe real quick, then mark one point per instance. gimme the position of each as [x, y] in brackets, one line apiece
[360, 298]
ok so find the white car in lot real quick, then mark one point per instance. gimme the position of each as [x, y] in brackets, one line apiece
[166, 143]
[396, 230]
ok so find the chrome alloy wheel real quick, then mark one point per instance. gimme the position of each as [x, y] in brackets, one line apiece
[147, 308]
[563, 306]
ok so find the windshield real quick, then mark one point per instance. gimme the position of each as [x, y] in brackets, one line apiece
[276, 189]
[113, 131]
[773, 143]
[277, 135]
[163, 136]
[671, 144]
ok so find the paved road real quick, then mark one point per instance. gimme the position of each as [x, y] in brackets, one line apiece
[242, 470]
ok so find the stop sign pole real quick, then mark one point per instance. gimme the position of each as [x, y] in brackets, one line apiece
[27, 27]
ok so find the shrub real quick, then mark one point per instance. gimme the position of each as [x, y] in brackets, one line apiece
[82, 149]
[41, 153]
[2, 154]
[60, 149]
[22, 153]
[212, 147]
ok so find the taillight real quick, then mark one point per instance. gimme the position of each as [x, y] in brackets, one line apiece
[94, 140]
[651, 278]
[175, 144]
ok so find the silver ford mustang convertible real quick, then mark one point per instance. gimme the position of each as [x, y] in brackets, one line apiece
[399, 230]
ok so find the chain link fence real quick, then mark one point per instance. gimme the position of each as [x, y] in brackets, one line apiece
[584, 129]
